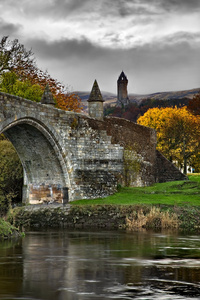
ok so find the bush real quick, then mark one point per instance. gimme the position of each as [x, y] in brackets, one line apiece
[11, 173]
[7, 230]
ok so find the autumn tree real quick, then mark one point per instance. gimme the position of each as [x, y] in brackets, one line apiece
[14, 55]
[194, 105]
[178, 133]
[15, 59]
[12, 85]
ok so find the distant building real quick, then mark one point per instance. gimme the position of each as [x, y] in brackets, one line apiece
[122, 93]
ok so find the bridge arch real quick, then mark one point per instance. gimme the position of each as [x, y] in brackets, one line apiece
[46, 176]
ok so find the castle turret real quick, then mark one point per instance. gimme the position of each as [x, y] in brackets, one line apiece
[122, 94]
[47, 97]
[95, 103]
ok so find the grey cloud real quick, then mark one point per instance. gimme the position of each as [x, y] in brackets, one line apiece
[84, 50]
[180, 38]
[56, 9]
[8, 28]
[125, 8]
[146, 7]
[61, 9]
[179, 5]
[65, 48]
[64, 7]
[105, 8]
[150, 68]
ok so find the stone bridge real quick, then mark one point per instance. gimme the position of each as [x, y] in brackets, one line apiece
[68, 156]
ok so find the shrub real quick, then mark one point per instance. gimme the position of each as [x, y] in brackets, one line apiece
[6, 229]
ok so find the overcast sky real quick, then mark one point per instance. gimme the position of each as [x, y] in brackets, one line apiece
[155, 42]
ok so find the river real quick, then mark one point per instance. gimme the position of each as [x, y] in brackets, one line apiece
[76, 265]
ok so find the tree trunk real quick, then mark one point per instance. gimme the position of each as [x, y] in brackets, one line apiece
[185, 166]
[184, 159]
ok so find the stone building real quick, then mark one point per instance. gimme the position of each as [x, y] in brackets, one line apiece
[122, 93]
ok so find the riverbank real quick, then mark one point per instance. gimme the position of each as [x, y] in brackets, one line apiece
[179, 193]
[133, 217]
[170, 205]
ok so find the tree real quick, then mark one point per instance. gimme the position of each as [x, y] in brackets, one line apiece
[12, 85]
[27, 80]
[194, 105]
[11, 173]
[14, 55]
[178, 133]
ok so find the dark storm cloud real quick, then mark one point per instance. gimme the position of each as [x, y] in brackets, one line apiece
[8, 28]
[125, 8]
[78, 63]
[167, 49]
[57, 8]
[66, 48]
[179, 5]
[145, 7]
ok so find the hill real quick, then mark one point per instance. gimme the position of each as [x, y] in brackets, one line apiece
[166, 95]
[137, 98]
[109, 98]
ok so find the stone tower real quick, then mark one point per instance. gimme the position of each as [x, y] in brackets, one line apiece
[47, 97]
[122, 94]
[95, 103]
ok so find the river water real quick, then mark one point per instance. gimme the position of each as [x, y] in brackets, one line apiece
[76, 265]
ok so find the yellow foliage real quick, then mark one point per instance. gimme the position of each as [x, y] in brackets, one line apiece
[178, 132]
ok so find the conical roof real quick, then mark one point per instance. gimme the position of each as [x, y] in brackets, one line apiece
[47, 97]
[122, 77]
[95, 94]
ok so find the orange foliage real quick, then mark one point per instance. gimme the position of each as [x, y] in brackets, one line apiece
[64, 99]
[69, 102]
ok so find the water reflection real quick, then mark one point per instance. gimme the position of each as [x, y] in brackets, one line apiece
[77, 265]
[11, 267]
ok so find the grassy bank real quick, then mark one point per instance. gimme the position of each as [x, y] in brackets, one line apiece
[171, 205]
[178, 193]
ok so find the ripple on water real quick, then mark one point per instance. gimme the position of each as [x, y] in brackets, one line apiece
[174, 263]
[156, 290]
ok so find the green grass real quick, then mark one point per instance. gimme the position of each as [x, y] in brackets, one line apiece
[168, 193]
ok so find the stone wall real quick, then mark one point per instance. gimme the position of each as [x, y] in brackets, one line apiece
[95, 110]
[166, 171]
[103, 217]
[139, 140]
[108, 217]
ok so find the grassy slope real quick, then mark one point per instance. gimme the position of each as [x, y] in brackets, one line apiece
[168, 193]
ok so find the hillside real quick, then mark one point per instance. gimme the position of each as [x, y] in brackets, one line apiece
[112, 98]
[166, 95]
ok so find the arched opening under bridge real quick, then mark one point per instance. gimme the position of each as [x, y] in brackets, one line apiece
[46, 178]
